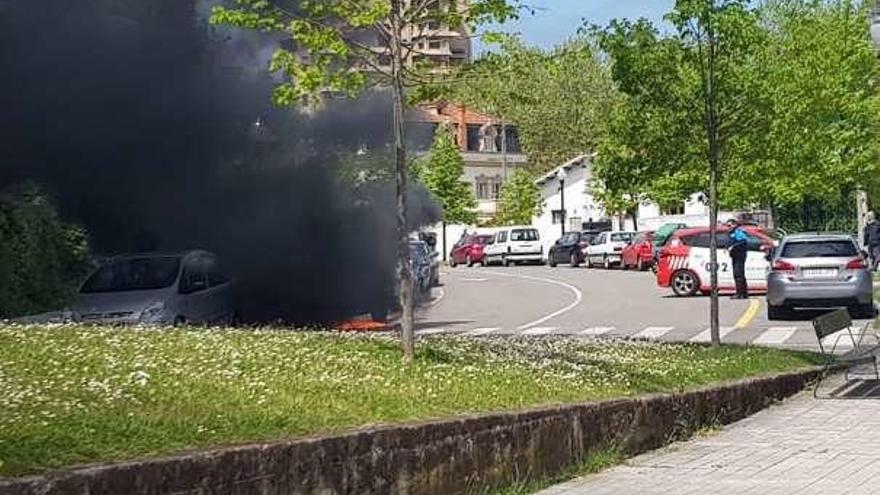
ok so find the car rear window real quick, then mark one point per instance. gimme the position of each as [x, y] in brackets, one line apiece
[621, 236]
[482, 239]
[820, 249]
[523, 235]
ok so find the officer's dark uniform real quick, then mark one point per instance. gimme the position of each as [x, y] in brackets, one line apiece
[739, 250]
[872, 241]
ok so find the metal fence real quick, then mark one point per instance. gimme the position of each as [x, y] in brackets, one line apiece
[818, 215]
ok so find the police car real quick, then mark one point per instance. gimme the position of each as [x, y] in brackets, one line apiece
[683, 264]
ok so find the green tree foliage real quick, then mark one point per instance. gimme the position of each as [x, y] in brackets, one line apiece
[42, 259]
[519, 200]
[441, 172]
[796, 108]
[816, 78]
[558, 99]
[765, 105]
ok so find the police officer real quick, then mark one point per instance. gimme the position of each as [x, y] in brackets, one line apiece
[872, 238]
[739, 250]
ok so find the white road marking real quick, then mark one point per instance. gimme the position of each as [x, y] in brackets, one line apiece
[440, 295]
[474, 279]
[597, 331]
[706, 335]
[483, 331]
[578, 297]
[774, 336]
[538, 331]
[430, 331]
[653, 332]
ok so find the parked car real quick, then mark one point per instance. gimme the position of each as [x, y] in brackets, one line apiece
[469, 250]
[591, 235]
[157, 289]
[662, 236]
[606, 249]
[639, 253]
[684, 265]
[425, 266]
[569, 249]
[818, 271]
[515, 245]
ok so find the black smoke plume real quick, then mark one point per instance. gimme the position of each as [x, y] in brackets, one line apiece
[155, 131]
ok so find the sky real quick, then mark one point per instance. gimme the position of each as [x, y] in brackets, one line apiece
[556, 20]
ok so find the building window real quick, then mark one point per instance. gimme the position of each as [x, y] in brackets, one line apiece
[557, 216]
[676, 210]
[434, 45]
[482, 185]
[496, 188]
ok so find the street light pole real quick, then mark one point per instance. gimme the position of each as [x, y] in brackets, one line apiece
[561, 176]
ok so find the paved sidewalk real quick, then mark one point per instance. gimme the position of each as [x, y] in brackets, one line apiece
[801, 446]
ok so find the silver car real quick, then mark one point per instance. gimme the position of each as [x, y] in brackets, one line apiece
[157, 289]
[818, 271]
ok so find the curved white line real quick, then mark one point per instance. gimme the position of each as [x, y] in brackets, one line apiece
[578, 297]
[438, 298]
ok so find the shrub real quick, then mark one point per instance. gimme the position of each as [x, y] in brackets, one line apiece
[42, 259]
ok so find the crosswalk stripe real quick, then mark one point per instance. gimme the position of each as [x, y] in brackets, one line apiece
[430, 331]
[597, 330]
[653, 332]
[706, 335]
[483, 331]
[774, 335]
[538, 331]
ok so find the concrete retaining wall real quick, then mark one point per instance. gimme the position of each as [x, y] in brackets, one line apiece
[444, 457]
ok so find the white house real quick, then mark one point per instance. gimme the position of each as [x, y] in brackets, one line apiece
[565, 200]
[565, 195]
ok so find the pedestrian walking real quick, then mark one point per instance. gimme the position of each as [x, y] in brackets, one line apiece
[872, 238]
[738, 247]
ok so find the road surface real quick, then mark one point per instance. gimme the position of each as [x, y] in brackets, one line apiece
[539, 300]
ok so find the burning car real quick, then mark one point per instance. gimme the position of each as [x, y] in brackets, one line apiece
[157, 289]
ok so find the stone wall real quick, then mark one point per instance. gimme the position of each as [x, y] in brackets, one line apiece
[462, 455]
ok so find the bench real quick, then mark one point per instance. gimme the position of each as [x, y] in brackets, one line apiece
[839, 322]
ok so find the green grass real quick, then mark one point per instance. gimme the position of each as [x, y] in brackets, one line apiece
[72, 395]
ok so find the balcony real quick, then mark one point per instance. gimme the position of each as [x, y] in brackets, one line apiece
[493, 158]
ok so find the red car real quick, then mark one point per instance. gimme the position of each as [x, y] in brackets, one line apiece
[639, 253]
[469, 250]
[684, 263]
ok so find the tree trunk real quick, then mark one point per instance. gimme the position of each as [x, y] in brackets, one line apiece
[444, 240]
[714, 158]
[404, 271]
[503, 152]
[635, 217]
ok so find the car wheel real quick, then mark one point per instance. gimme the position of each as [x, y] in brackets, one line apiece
[468, 261]
[573, 261]
[862, 312]
[506, 262]
[606, 263]
[588, 261]
[179, 321]
[778, 312]
[452, 262]
[684, 283]
[551, 261]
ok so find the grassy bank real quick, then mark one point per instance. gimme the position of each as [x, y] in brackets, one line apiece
[74, 394]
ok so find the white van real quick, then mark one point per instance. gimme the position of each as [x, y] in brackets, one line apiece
[519, 244]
